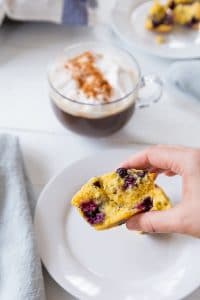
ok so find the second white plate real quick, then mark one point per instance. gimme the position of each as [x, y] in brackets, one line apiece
[128, 21]
[115, 264]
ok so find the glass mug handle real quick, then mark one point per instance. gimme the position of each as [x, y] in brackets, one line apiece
[150, 91]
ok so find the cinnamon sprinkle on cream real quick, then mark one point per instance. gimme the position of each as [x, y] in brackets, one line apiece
[88, 77]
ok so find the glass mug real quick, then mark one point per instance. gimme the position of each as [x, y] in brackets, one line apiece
[102, 119]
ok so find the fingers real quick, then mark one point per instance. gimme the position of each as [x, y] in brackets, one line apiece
[154, 221]
[159, 157]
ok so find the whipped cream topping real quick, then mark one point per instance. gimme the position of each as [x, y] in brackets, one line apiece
[107, 80]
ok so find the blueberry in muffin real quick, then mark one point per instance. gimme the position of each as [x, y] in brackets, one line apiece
[109, 200]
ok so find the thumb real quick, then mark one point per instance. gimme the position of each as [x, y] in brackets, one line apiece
[155, 221]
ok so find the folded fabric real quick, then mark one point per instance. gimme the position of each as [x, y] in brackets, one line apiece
[183, 79]
[20, 266]
[72, 12]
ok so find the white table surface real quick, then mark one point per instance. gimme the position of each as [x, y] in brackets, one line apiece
[25, 51]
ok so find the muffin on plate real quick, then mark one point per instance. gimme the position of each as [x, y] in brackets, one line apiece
[111, 199]
[159, 18]
[187, 15]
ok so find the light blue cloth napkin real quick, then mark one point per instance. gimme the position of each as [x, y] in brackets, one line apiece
[76, 12]
[183, 79]
[20, 266]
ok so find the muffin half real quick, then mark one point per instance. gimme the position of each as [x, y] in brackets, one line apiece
[109, 200]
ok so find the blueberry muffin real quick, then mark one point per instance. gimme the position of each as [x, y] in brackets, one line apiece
[187, 15]
[162, 18]
[159, 18]
[109, 200]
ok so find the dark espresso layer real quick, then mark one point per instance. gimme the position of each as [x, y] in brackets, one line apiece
[94, 127]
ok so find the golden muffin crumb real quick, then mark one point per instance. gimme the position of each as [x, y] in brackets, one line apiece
[182, 15]
[157, 10]
[160, 39]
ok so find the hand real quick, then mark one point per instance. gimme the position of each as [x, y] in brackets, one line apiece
[185, 216]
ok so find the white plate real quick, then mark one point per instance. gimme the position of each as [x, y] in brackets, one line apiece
[115, 264]
[128, 22]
